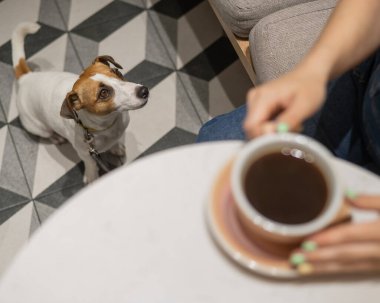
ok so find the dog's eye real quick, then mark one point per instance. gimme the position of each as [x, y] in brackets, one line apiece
[104, 93]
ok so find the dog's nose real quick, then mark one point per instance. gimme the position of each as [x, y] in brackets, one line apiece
[142, 92]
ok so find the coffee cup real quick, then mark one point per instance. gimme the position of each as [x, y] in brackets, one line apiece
[286, 188]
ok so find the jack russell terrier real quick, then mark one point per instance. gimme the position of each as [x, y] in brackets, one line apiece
[91, 111]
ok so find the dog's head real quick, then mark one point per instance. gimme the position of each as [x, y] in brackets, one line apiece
[101, 89]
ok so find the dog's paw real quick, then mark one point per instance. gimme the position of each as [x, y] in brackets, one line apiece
[118, 150]
[57, 139]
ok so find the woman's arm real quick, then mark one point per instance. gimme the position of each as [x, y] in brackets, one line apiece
[351, 34]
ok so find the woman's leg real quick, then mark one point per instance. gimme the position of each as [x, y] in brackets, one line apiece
[338, 125]
[224, 127]
[371, 115]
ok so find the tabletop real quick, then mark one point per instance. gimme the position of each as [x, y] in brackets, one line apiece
[139, 234]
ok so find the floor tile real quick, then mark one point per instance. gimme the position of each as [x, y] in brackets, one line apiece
[10, 199]
[27, 150]
[174, 8]
[3, 137]
[148, 73]
[228, 90]
[11, 174]
[51, 57]
[198, 92]
[187, 114]
[75, 54]
[33, 43]
[64, 10]
[150, 3]
[127, 44]
[35, 221]
[196, 31]
[9, 212]
[14, 233]
[164, 28]
[50, 14]
[212, 61]
[107, 20]
[6, 87]
[81, 10]
[44, 211]
[11, 15]
[83, 48]
[3, 120]
[139, 3]
[60, 196]
[154, 120]
[52, 164]
[174, 138]
[157, 50]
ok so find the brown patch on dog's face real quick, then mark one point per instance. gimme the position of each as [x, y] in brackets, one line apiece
[96, 97]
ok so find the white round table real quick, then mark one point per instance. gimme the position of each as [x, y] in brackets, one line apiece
[139, 235]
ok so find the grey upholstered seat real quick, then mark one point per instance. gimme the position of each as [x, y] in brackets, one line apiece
[242, 15]
[280, 40]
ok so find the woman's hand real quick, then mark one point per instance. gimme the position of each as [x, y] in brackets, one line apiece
[345, 248]
[287, 101]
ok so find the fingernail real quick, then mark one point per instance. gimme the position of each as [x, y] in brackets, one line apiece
[309, 246]
[351, 194]
[282, 128]
[297, 259]
[305, 269]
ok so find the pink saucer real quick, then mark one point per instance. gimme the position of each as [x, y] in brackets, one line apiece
[229, 234]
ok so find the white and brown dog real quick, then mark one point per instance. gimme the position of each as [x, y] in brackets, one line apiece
[59, 105]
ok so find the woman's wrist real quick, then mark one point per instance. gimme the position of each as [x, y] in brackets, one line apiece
[319, 64]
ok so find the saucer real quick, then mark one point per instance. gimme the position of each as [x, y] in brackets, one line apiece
[228, 233]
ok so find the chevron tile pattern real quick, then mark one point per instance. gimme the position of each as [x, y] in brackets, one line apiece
[176, 48]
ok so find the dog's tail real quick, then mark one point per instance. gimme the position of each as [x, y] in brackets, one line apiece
[18, 53]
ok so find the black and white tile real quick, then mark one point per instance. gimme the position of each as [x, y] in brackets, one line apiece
[176, 48]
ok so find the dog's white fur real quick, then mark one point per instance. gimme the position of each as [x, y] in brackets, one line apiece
[40, 96]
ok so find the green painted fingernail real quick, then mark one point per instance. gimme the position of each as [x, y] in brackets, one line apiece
[309, 246]
[282, 128]
[297, 259]
[351, 194]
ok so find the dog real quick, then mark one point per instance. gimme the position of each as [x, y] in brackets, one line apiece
[90, 110]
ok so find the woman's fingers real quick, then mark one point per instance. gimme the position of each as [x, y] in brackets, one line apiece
[351, 252]
[261, 108]
[367, 202]
[346, 233]
[338, 267]
[344, 248]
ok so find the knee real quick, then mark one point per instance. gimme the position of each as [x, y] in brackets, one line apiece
[224, 127]
[209, 131]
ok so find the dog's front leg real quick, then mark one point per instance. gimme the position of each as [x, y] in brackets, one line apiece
[91, 170]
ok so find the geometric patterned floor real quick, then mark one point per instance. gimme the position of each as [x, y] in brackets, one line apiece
[176, 48]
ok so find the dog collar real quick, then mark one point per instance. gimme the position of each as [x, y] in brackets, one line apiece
[98, 130]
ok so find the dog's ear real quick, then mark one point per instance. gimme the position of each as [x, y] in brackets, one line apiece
[71, 102]
[106, 60]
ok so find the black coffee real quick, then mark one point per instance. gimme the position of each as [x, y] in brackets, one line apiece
[285, 188]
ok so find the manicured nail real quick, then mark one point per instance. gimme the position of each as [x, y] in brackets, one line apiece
[309, 246]
[297, 259]
[305, 269]
[351, 194]
[282, 128]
